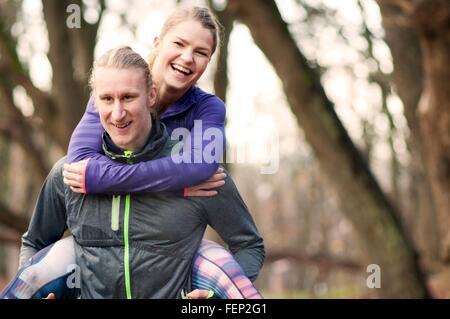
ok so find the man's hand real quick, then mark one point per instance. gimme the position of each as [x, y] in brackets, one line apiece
[207, 188]
[200, 294]
[51, 296]
[74, 175]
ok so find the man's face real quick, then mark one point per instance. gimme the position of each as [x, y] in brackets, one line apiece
[123, 102]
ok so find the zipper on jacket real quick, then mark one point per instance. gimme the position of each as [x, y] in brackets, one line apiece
[126, 257]
[126, 225]
[127, 155]
[115, 226]
[115, 210]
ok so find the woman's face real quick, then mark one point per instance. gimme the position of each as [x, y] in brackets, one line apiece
[183, 55]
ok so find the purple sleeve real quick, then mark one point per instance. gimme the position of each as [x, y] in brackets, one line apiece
[104, 175]
[86, 140]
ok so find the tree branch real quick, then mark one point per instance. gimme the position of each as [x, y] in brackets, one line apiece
[18, 129]
[43, 103]
[10, 239]
[406, 6]
[12, 70]
[221, 74]
[13, 219]
[322, 261]
[8, 47]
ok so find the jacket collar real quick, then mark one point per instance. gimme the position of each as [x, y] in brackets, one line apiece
[183, 104]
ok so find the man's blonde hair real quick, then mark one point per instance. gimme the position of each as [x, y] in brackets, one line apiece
[122, 58]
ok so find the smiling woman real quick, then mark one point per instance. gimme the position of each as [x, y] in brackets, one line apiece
[182, 52]
[181, 56]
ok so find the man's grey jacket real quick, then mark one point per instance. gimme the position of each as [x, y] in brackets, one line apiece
[140, 245]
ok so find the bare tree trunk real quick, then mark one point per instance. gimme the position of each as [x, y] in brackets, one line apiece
[408, 78]
[66, 90]
[434, 107]
[221, 75]
[83, 41]
[361, 198]
[221, 83]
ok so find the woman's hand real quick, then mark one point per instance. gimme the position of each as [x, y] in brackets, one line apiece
[200, 294]
[207, 188]
[74, 175]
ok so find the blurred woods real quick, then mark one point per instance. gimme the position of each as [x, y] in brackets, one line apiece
[363, 118]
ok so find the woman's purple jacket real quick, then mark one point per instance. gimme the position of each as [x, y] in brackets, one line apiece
[109, 177]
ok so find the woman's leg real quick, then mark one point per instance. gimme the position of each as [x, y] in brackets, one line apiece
[215, 269]
[49, 270]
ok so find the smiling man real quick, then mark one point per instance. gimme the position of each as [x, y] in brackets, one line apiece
[123, 101]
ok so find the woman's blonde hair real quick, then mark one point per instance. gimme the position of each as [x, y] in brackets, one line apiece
[200, 14]
[122, 58]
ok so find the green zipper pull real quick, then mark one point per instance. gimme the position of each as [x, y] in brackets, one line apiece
[127, 154]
